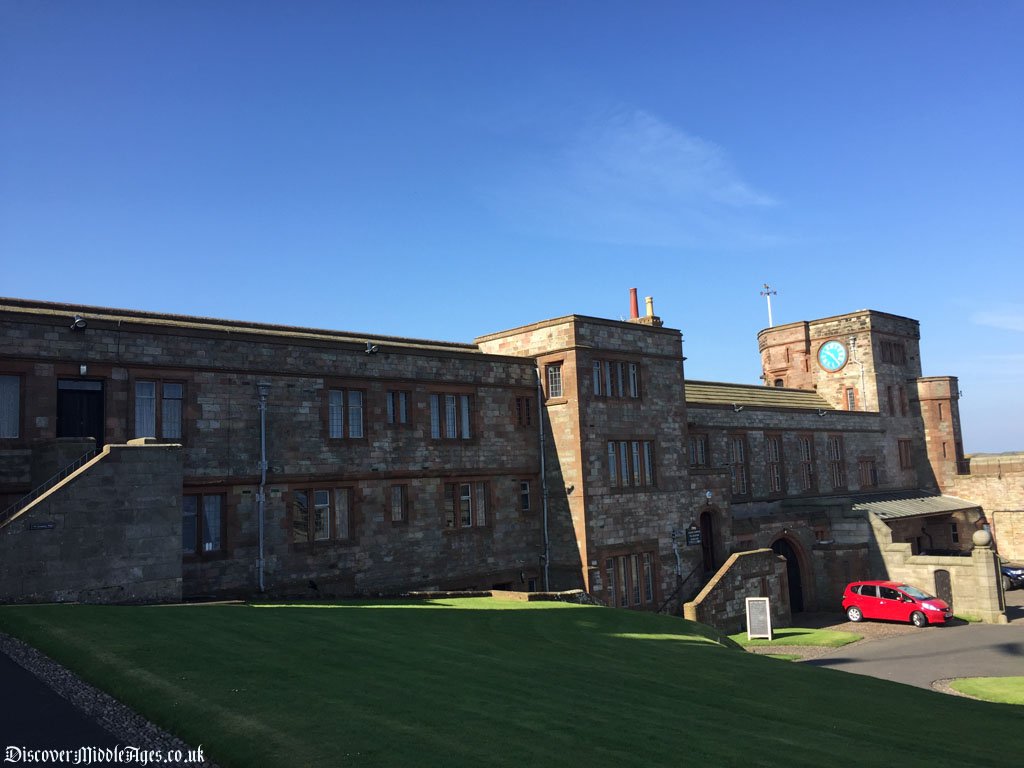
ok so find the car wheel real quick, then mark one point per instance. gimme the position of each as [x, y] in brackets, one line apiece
[1007, 584]
[918, 619]
[853, 613]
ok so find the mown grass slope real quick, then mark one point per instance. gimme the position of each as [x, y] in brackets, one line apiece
[479, 682]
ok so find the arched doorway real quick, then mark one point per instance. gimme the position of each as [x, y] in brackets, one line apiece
[707, 541]
[796, 592]
[943, 586]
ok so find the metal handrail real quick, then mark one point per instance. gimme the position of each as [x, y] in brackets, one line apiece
[10, 512]
[679, 586]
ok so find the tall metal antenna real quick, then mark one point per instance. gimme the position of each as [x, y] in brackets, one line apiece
[768, 293]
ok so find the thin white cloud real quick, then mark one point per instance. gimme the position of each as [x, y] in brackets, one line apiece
[1007, 318]
[630, 177]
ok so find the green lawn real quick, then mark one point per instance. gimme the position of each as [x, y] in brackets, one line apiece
[1004, 690]
[798, 636]
[478, 682]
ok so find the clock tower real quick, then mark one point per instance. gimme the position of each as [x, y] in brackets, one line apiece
[871, 362]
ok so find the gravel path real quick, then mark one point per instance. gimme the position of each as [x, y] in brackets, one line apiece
[126, 725]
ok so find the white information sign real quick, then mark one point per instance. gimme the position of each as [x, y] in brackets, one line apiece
[759, 618]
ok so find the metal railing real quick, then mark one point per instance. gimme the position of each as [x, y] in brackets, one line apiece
[34, 494]
[679, 586]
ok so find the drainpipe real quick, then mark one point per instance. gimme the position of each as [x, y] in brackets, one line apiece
[263, 388]
[863, 389]
[545, 557]
[675, 550]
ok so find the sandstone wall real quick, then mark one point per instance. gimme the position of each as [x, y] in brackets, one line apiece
[111, 532]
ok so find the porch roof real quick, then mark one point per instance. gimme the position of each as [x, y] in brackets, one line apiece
[900, 504]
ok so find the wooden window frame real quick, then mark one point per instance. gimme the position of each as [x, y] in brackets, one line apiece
[807, 475]
[905, 448]
[867, 471]
[200, 552]
[739, 468]
[346, 410]
[894, 352]
[393, 400]
[631, 464]
[403, 503]
[465, 415]
[631, 578]
[700, 450]
[616, 379]
[453, 518]
[19, 411]
[775, 468]
[524, 410]
[526, 505]
[337, 534]
[836, 454]
[159, 384]
[553, 376]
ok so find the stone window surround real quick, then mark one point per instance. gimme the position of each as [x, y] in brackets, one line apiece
[337, 537]
[393, 400]
[524, 410]
[742, 489]
[778, 464]
[345, 386]
[836, 456]
[526, 501]
[905, 448]
[805, 465]
[867, 471]
[398, 492]
[620, 378]
[137, 377]
[13, 430]
[480, 490]
[647, 565]
[637, 465]
[225, 510]
[553, 371]
[699, 443]
[441, 392]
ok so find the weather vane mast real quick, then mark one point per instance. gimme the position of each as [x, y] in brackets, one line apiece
[768, 293]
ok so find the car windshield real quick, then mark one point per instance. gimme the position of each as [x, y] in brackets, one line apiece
[915, 592]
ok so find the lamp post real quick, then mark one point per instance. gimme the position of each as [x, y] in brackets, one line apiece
[263, 389]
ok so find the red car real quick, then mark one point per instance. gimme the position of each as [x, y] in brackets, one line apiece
[893, 601]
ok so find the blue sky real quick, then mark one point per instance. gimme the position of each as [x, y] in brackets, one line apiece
[449, 169]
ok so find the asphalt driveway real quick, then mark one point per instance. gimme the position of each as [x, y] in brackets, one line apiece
[924, 656]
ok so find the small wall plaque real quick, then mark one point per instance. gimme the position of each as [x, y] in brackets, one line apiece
[759, 618]
[40, 526]
[693, 536]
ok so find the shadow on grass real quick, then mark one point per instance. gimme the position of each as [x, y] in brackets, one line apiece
[474, 681]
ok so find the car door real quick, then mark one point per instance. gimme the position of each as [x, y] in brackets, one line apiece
[890, 604]
[868, 602]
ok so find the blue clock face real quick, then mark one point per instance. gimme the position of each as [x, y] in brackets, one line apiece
[832, 355]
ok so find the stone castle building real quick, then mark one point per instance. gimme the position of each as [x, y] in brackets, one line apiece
[169, 457]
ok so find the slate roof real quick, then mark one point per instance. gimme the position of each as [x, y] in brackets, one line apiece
[186, 322]
[899, 504]
[752, 395]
